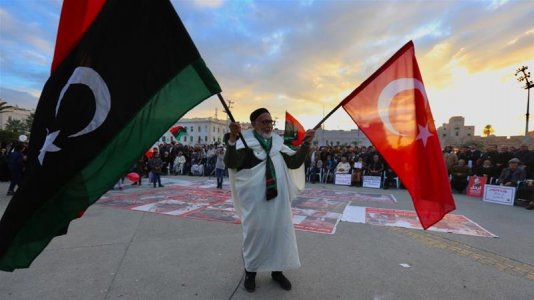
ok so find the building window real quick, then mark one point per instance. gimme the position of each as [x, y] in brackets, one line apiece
[199, 139]
[218, 129]
[468, 134]
[191, 139]
[191, 128]
[205, 138]
[457, 133]
[444, 135]
[199, 129]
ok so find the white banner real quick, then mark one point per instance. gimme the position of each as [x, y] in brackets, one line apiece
[343, 179]
[372, 181]
[499, 194]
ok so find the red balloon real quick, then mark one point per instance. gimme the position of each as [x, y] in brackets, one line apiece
[134, 177]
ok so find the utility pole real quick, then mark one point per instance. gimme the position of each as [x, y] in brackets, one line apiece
[524, 76]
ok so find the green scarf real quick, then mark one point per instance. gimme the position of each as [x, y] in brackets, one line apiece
[270, 174]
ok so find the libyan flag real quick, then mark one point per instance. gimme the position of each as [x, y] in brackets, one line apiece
[178, 132]
[123, 73]
[294, 132]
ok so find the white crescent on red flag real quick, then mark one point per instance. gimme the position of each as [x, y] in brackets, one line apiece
[392, 110]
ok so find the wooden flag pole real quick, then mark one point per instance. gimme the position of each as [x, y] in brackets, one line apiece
[327, 116]
[227, 109]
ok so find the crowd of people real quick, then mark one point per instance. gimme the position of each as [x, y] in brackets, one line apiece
[501, 165]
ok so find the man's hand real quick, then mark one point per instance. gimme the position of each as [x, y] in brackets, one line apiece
[235, 129]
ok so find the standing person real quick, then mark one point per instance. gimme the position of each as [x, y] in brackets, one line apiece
[262, 191]
[219, 166]
[15, 163]
[156, 166]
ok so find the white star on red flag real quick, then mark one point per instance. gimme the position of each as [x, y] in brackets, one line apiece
[424, 134]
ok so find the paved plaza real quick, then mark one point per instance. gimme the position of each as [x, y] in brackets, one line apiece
[144, 243]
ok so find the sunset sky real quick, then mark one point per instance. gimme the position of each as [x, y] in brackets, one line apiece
[306, 56]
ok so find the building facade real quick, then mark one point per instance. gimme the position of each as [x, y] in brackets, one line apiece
[455, 132]
[199, 131]
[15, 113]
[340, 137]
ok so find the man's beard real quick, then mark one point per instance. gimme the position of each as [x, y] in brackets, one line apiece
[266, 135]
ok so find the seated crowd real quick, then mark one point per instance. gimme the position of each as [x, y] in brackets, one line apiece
[178, 159]
[324, 163]
[502, 166]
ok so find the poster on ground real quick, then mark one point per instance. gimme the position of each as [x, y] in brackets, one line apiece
[457, 224]
[475, 187]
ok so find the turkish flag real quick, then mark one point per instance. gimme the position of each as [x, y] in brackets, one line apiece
[392, 110]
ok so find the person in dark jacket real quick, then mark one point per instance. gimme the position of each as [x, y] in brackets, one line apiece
[459, 174]
[156, 166]
[512, 175]
[15, 163]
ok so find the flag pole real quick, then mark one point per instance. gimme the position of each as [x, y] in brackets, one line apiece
[227, 109]
[327, 116]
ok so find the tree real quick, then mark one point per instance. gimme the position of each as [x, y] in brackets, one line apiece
[29, 122]
[4, 107]
[16, 126]
[488, 130]
[7, 137]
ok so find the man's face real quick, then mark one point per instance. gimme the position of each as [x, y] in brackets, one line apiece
[513, 165]
[264, 125]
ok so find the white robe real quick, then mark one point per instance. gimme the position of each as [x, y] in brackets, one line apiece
[269, 242]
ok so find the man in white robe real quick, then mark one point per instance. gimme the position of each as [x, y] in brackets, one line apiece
[262, 189]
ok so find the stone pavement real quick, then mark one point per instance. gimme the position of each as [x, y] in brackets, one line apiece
[112, 253]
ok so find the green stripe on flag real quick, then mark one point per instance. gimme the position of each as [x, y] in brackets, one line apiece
[188, 88]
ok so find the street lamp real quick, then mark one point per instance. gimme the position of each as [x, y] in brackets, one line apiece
[528, 85]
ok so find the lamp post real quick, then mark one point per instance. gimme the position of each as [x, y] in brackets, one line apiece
[524, 76]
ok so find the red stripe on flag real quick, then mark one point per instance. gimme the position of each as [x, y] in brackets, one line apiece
[76, 17]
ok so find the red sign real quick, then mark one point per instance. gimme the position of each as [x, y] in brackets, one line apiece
[475, 188]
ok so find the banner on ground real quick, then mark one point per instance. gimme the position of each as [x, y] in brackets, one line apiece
[475, 187]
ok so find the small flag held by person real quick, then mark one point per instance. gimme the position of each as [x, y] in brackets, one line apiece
[294, 132]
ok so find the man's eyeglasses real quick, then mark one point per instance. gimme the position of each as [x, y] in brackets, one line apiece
[268, 122]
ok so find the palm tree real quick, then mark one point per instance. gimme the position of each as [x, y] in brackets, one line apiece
[4, 107]
[488, 130]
